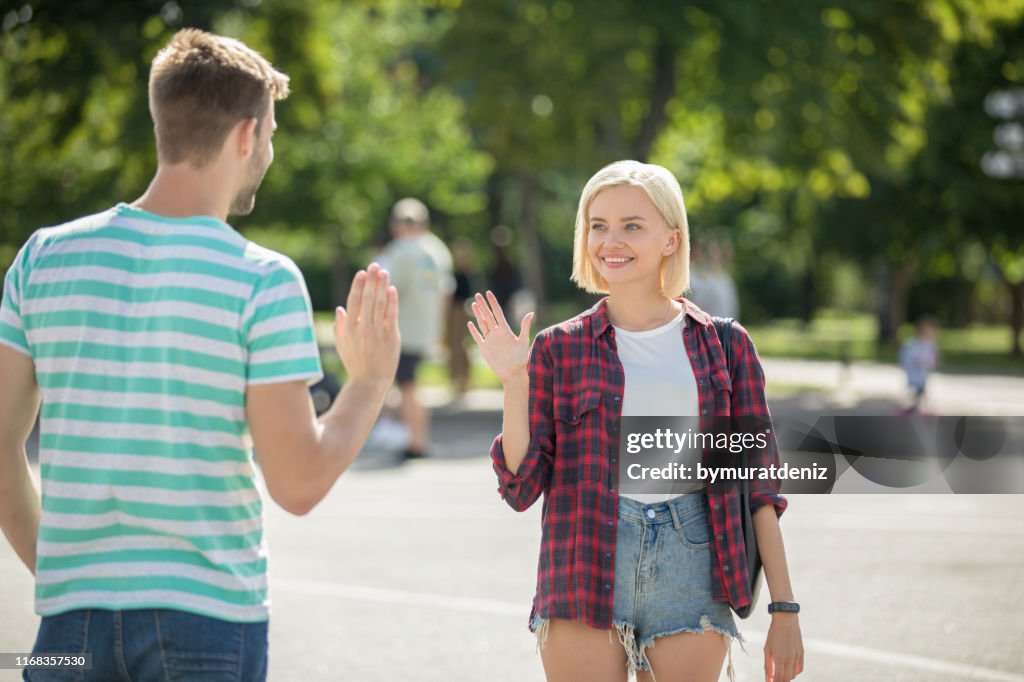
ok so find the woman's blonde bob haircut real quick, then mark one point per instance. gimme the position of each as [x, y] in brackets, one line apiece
[662, 188]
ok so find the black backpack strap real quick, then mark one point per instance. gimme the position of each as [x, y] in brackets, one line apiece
[724, 327]
[753, 557]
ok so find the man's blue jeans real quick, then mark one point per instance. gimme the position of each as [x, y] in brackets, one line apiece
[153, 644]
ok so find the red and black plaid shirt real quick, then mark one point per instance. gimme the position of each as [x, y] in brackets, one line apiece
[576, 387]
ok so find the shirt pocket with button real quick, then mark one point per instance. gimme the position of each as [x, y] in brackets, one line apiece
[579, 437]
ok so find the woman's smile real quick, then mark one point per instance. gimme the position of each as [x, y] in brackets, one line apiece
[616, 261]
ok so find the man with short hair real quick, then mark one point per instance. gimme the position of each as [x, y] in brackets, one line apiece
[421, 267]
[159, 340]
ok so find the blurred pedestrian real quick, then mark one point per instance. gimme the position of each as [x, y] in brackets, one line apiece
[919, 355]
[640, 351]
[711, 286]
[505, 278]
[421, 270]
[165, 348]
[465, 274]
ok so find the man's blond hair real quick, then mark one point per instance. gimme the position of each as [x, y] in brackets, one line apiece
[662, 188]
[200, 86]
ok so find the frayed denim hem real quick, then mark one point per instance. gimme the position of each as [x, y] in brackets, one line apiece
[636, 653]
[540, 627]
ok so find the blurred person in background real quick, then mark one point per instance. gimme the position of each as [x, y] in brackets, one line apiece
[641, 582]
[711, 287]
[166, 350]
[505, 277]
[465, 274]
[421, 269]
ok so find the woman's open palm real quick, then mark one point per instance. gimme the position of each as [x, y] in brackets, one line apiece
[506, 353]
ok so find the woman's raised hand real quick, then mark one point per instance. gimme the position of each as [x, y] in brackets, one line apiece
[506, 353]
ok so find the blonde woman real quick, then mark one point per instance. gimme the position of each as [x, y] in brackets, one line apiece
[628, 583]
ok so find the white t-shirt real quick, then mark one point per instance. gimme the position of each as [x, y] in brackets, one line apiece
[659, 379]
[918, 357]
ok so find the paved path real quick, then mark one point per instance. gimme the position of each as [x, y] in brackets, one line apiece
[420, 572]
[860, 387]
[961, 394]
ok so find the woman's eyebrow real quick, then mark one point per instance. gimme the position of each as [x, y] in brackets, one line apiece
[621, 220]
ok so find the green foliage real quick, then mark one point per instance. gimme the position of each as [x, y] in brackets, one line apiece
[837, 145]
[835, 334]
[361, 129]
[73, 111]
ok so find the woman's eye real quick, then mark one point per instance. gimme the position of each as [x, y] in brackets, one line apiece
[597, 226]
[632, 226]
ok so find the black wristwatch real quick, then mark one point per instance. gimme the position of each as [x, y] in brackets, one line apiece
[783, 607]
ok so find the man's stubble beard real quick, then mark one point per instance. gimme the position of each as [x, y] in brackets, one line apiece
[245, 199]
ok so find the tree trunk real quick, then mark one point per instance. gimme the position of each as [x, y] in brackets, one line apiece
[808, 294]
[663, 88]
[903, 277]
[340, 274]
[494, 201]
[883, 304]
[531, 255]
[1016, 316]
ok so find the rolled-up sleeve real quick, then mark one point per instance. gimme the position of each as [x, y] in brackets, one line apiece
[748, 400]
[521, 489]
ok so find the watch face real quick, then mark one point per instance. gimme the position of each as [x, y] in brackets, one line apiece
[786, 607]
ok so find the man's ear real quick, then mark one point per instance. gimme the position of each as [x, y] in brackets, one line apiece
[245, 137]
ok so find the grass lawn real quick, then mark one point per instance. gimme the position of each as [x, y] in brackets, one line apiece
[832, 336]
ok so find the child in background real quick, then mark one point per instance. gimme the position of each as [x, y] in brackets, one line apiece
[918, 357]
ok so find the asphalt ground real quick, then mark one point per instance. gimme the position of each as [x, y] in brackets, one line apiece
[420, 572]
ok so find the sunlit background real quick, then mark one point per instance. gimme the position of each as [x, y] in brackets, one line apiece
[853, 165]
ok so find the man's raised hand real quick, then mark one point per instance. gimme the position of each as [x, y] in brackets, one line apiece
[366, 330]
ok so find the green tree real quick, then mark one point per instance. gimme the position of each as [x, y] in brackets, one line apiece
[975, 206]
[934, 203]
[362, 127]
[73, 110]
[758, 107]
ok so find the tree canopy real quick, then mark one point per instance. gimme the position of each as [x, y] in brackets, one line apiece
[838, 146]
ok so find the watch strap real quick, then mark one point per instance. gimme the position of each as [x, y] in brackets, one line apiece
[784, 607]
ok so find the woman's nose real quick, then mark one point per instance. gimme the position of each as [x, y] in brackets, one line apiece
[614, 238]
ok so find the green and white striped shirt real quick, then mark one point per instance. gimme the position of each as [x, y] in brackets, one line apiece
[145, 332]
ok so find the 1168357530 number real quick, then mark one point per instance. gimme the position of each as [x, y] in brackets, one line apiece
[15, 661]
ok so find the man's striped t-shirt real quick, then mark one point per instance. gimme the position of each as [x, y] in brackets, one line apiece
[145, 332]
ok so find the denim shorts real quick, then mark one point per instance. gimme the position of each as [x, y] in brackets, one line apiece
[662, 576]
[153, 644]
